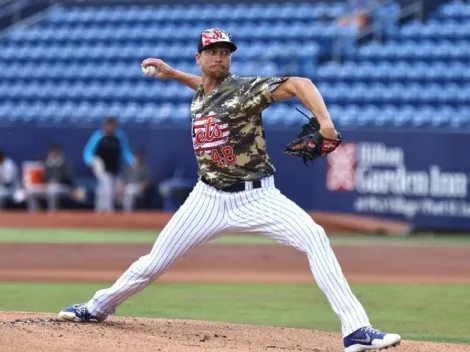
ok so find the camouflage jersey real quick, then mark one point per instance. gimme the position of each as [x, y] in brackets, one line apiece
[228, 136]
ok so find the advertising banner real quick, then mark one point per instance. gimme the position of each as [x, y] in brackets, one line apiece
[422, 177]
[416, 176]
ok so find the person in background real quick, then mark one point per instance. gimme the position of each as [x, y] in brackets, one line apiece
[8, 178]
[57, 181]
[105, 152]
[134, 182]
[359, 12]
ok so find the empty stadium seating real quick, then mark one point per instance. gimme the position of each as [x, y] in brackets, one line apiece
[81, 64]
[418, 77]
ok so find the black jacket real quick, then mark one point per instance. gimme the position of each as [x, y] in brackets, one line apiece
[58, 170]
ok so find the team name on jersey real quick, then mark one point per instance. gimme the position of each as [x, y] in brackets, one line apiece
[208, 133]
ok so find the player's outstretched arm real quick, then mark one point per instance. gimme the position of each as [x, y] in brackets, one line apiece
[165, 71]
[308, 94]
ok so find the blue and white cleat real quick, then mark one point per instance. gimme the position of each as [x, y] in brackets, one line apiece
[79, 313]
[367, 339]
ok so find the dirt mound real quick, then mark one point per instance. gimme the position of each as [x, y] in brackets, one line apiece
[43, 332]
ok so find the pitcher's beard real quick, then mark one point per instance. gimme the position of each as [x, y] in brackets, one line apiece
[218, 76]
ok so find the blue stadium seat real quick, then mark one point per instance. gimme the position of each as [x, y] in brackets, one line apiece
[79, 64]
[455, 10]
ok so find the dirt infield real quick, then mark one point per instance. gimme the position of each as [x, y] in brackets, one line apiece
[157, 220]
[209, 263]
[213, 263]
[217, 263]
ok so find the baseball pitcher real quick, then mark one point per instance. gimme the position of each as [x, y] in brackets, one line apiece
[236, 189]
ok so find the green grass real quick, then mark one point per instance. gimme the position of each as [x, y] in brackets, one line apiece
[105, 236]
[420, 312]
[122, 236]
[75, 236]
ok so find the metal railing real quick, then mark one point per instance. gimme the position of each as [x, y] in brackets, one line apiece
[12, 8]
[12, 12]
[375, 30]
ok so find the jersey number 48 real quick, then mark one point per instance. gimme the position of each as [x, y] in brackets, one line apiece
[227, 156]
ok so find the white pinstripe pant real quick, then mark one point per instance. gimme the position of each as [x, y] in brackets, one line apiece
[209, 213]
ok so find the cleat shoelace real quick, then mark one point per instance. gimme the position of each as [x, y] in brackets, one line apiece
[372, 330]
[82, 310]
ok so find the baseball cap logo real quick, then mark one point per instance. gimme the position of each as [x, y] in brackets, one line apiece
[214, 35]
[217, 34]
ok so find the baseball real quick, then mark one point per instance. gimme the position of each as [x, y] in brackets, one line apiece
[149, 70]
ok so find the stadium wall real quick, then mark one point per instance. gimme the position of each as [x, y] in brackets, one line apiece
[417, 176]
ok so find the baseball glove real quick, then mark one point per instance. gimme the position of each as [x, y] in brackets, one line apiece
[310, 144]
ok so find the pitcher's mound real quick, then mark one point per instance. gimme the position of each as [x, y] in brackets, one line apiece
[33, 332]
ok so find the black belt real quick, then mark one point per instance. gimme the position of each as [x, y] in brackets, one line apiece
[236, 187]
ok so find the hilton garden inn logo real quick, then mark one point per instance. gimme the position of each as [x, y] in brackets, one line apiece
[375, 168]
